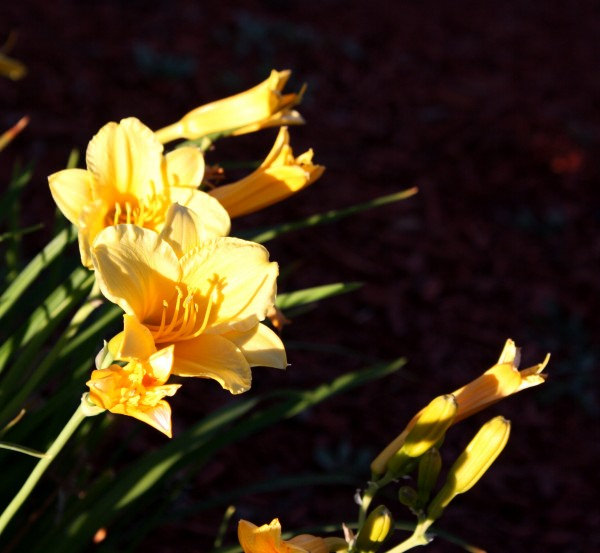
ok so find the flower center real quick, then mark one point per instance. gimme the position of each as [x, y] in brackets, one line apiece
[149, 212]
[183, 321]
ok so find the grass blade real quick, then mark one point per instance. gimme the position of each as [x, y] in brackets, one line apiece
[297, 298]
[328, 217]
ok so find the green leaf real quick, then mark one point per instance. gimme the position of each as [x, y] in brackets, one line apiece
[289, 300]
[22, 449]
[327, 217]
[20, 232]
[194, 447]
[26, 277]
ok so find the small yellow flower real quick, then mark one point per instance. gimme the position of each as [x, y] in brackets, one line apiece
[280, 175]
[261, 106]
[129, 180]
[267, 539]
[138, 388]
[502, 380]
[204, 297]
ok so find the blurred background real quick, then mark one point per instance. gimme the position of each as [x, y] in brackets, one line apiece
[492, 110]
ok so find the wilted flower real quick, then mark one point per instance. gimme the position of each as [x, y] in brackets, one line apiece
[261, 106]
[138, 388]
[280, 175]
[205, 297]
[128, 180]
[267, 539]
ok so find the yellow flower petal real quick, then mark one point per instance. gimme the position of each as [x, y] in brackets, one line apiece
[279, 176]
[258, 107]
[135, 341]
[212, 356]
[125, 159]
[161, 364]
[71, 189]
[136, 270]
[261, 347]
[209, 219]
[91, 222]
[157, 416]
[184, 167]
[238, 279]
[267, 539]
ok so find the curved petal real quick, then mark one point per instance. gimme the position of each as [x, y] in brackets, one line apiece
[212, 215]
[235, 279]
[71, 189]
[125, 159]
[161, 363]
[157, 416]
[212, 356]
[260, 346]
[184, 167]
[184, 230]
[91, 223]
[135, 342]
[136, 270]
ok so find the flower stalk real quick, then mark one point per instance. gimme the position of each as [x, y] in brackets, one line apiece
[41, 467]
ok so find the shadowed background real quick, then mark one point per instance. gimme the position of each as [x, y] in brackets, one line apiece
[492, 111]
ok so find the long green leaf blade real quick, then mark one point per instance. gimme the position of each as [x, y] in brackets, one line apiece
[329, 216]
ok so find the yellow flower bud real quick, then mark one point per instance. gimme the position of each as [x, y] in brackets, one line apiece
[471, 465]
[375, 530]
[427, 430]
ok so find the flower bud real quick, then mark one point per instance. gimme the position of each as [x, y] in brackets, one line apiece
[374, 531]
[430, 465]
[408, 496]
[471, 465]
[429, 428]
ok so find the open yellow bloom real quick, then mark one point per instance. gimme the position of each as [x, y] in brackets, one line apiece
[261, 106]
[205, 297]
[138, 388]
[498, 382]
[280, 175]
[129, 180]
[267, 539]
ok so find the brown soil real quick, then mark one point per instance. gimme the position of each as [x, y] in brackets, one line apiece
[491, 110]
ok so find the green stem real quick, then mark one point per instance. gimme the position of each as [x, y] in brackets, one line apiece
[418, 538]
[41, 467]
[365, 503]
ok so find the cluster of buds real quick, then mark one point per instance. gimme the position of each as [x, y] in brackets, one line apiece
[416, 450]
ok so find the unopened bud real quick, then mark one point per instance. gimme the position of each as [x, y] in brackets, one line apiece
[471, 465]
[428, 429]
[430, 465]
[408, 496]
[374, 531]
[104, 358]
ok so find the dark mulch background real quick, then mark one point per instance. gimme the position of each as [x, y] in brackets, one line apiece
[492, 110]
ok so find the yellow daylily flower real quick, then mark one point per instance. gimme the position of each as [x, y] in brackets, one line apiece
[280, 175]
[267, 539]
[204, 297]
[498, 382]
[138, 388]
[261, 106]
[129, 180]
